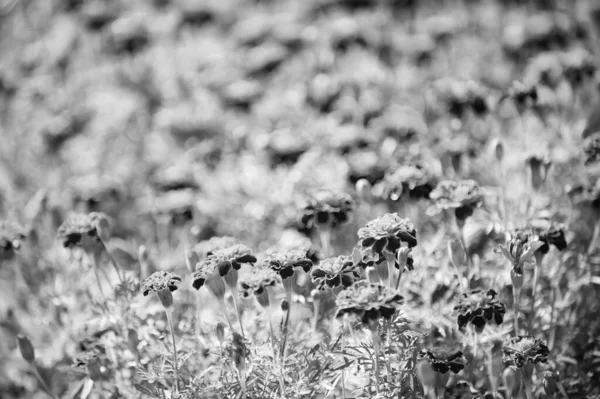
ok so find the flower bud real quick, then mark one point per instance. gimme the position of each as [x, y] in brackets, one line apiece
[285, 305]
[457, 254]
[364, 190]
[26, 348]
[191, 259]
[512, 382]
[498, 148]
[166, 298]
[220, 331]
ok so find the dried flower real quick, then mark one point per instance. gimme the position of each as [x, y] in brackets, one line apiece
[285, 262]
[327, 209]
[478, 308]
[520, 350]
[462, 196]
[384, 236]
[369, 302]
[83, 230]
[444, 358]
[335, 272]
[11, 235]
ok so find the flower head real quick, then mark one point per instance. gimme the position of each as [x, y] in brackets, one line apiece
[160, 281]
[220, 262]
[327, 208]
[384, 236]
[285, 262]
[257, 281]
[444, 358]
[79, 229]
[11, 235]
[178, 206]
[520, 350]
[413, 180]
[207, 247]
[549, 233]
[369, 302]
[479, 308]
[335, 272]
[462, 196]
[520, 252]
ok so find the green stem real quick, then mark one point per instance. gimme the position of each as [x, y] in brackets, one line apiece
[526, 385]
[170, 320]
[516, 296]
[344, 369]
[45, 387]
[237, 310]
[376, 345]
[536, 269]
[277, 359]
[325, 236]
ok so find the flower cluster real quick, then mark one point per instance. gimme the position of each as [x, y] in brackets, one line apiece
[462, 196]
[327, 208]
[479, 308]
[444, 358]
[381, 238]
[369, 302]
[335, 272]
[160, 281]
[521, 350]
[285, 262]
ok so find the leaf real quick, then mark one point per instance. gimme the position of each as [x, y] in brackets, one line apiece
[145, 388]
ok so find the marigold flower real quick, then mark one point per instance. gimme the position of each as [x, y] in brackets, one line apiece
[549, 233]
[79, 226]
[220, 262]
[285, 262]
[207, 247]
[369, 302]
[520, 350]
[413, 180]
[384, 236]
[257, 281]
[478, 308]
[11, 235]
[177, 205]
[160, 281]
[327, 208]
[335, 272]
[462, 196]
[444, 358]
[520, 253]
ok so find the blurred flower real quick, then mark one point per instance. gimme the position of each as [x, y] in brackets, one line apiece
[367, 165]
[256, 281]
[384, 236]
[412, 179]
[539, 166]
[369, 302]
[237, 350]
[160, 281]
[327, 209]
[591, 149]
[178, 206]
[207, 247]
[173, 178]
[286, 146]
[221, 261]
[520, 350]
[335, 272]
[401, 123]
[11, 236]
[285, 262]
[461, 96]
[83, 230]
[128, 34]
[478, 308]
[523, 95]
[444, 358]
[546, 231]
[462, 196]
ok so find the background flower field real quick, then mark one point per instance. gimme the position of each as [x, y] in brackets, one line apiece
[299, 199]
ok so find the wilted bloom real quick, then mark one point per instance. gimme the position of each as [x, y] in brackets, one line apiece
[384, 236]
[327, 209]
[521, 350]
[462, 196]
[83, 230]
[479, 308]
[207, 247]
[444, 359]
[520, 253]
[335, 272]
[11, 236]
[369, 302]
[285, 262]
[163, 283]
[413, 180]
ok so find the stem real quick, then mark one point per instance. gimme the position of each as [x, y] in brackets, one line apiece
[490, 367]
[99, 284]
[459, 276]
[170, 319]
[375, 338]
[237, 310]
[325, 236]
[277, 358]
[285, 331]
[38, 376]
[224, 307]
[391, 265]
[516, 296]
[344, 369]
[526, 385]
[536, 271]
[315, 321]
[198, 312]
